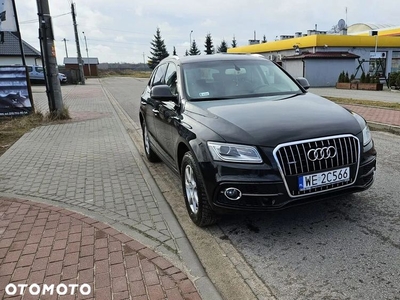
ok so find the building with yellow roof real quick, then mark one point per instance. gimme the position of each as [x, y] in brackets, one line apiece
[321, 56]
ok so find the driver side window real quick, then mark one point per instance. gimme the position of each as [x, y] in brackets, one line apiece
[171, 77]
[159, 76]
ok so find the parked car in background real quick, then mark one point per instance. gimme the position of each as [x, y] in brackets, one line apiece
[244, 135]
[36, 75]
[62, 77]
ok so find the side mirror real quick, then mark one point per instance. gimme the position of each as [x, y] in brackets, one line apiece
[163, 93]
[303, 82]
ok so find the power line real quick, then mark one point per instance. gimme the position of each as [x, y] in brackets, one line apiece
[36, 21]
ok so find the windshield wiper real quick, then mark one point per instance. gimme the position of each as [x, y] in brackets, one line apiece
[292, 96]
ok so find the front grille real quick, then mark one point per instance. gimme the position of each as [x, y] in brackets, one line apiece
[293, 160]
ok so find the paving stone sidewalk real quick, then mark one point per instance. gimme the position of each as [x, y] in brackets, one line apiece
[89, 165]
[44, 245]
[87, 162]
[378, 115]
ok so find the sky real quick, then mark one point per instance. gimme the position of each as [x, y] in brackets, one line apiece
[121, 31]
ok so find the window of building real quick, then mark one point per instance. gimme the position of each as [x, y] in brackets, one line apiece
[395, 61]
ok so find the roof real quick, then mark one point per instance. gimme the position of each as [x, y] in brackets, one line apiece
[320, 41]
[11, 47]
[365, 29]
[74, 60]
[322, 55]
[360, 27]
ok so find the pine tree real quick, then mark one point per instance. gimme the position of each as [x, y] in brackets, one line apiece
[158, 50]
[234, 44]
[186, 53]
[209, 45]
[174, 53]
[194, 50]
[223, 48]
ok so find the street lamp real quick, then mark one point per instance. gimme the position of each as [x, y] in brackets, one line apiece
[65, 44]
[87, 53]
[190, 36]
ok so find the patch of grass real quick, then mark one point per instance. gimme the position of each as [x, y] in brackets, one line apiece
[11, 129]
[125, 73]
[59, 115]
[381, 104]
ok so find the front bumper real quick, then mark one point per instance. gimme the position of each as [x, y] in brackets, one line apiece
[263, 188]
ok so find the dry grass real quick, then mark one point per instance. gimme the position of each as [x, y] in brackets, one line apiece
[58, 116]
[12, 128]
[380, 104]
[125, 73]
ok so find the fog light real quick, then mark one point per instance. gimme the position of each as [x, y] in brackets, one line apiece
[233, 193]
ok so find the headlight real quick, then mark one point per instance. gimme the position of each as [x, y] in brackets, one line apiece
[234, 153]
[367, 137]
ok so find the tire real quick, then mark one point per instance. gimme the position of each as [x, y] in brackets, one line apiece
[194, 193]
[150, 154]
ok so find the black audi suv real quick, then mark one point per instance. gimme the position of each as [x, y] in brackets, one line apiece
[243, 135]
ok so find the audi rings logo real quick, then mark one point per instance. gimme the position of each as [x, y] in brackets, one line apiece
[321, 153]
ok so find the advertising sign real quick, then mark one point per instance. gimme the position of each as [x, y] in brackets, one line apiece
[15, 94]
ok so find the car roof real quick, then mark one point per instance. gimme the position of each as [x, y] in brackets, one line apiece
[213, 57]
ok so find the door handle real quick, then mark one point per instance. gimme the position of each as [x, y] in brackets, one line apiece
[176, 118]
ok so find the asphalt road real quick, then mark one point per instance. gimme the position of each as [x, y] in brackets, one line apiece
[345, 248]
[127, 91]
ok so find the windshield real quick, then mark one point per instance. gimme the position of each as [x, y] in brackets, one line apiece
[227, 79]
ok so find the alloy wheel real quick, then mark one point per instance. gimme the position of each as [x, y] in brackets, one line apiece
[146, 140]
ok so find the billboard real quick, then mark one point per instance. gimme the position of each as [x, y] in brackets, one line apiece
[15, 93]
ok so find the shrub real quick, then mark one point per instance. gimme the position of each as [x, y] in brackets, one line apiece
[398, 80]
[341, 77]
[362, 78]
[347, 79]
[368, 78]
[393, 79]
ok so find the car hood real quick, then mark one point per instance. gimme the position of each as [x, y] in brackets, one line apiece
[269, 121]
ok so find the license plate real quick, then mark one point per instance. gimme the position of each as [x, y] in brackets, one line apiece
[307, 182]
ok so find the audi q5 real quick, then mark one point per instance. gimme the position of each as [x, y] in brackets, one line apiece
[244, 135]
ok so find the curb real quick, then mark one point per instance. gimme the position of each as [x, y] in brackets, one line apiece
[384, 127]
[205, 287]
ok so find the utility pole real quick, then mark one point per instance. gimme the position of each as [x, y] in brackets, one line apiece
[65, 44]
[78, 48]
[19, 34]
[53, 88]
